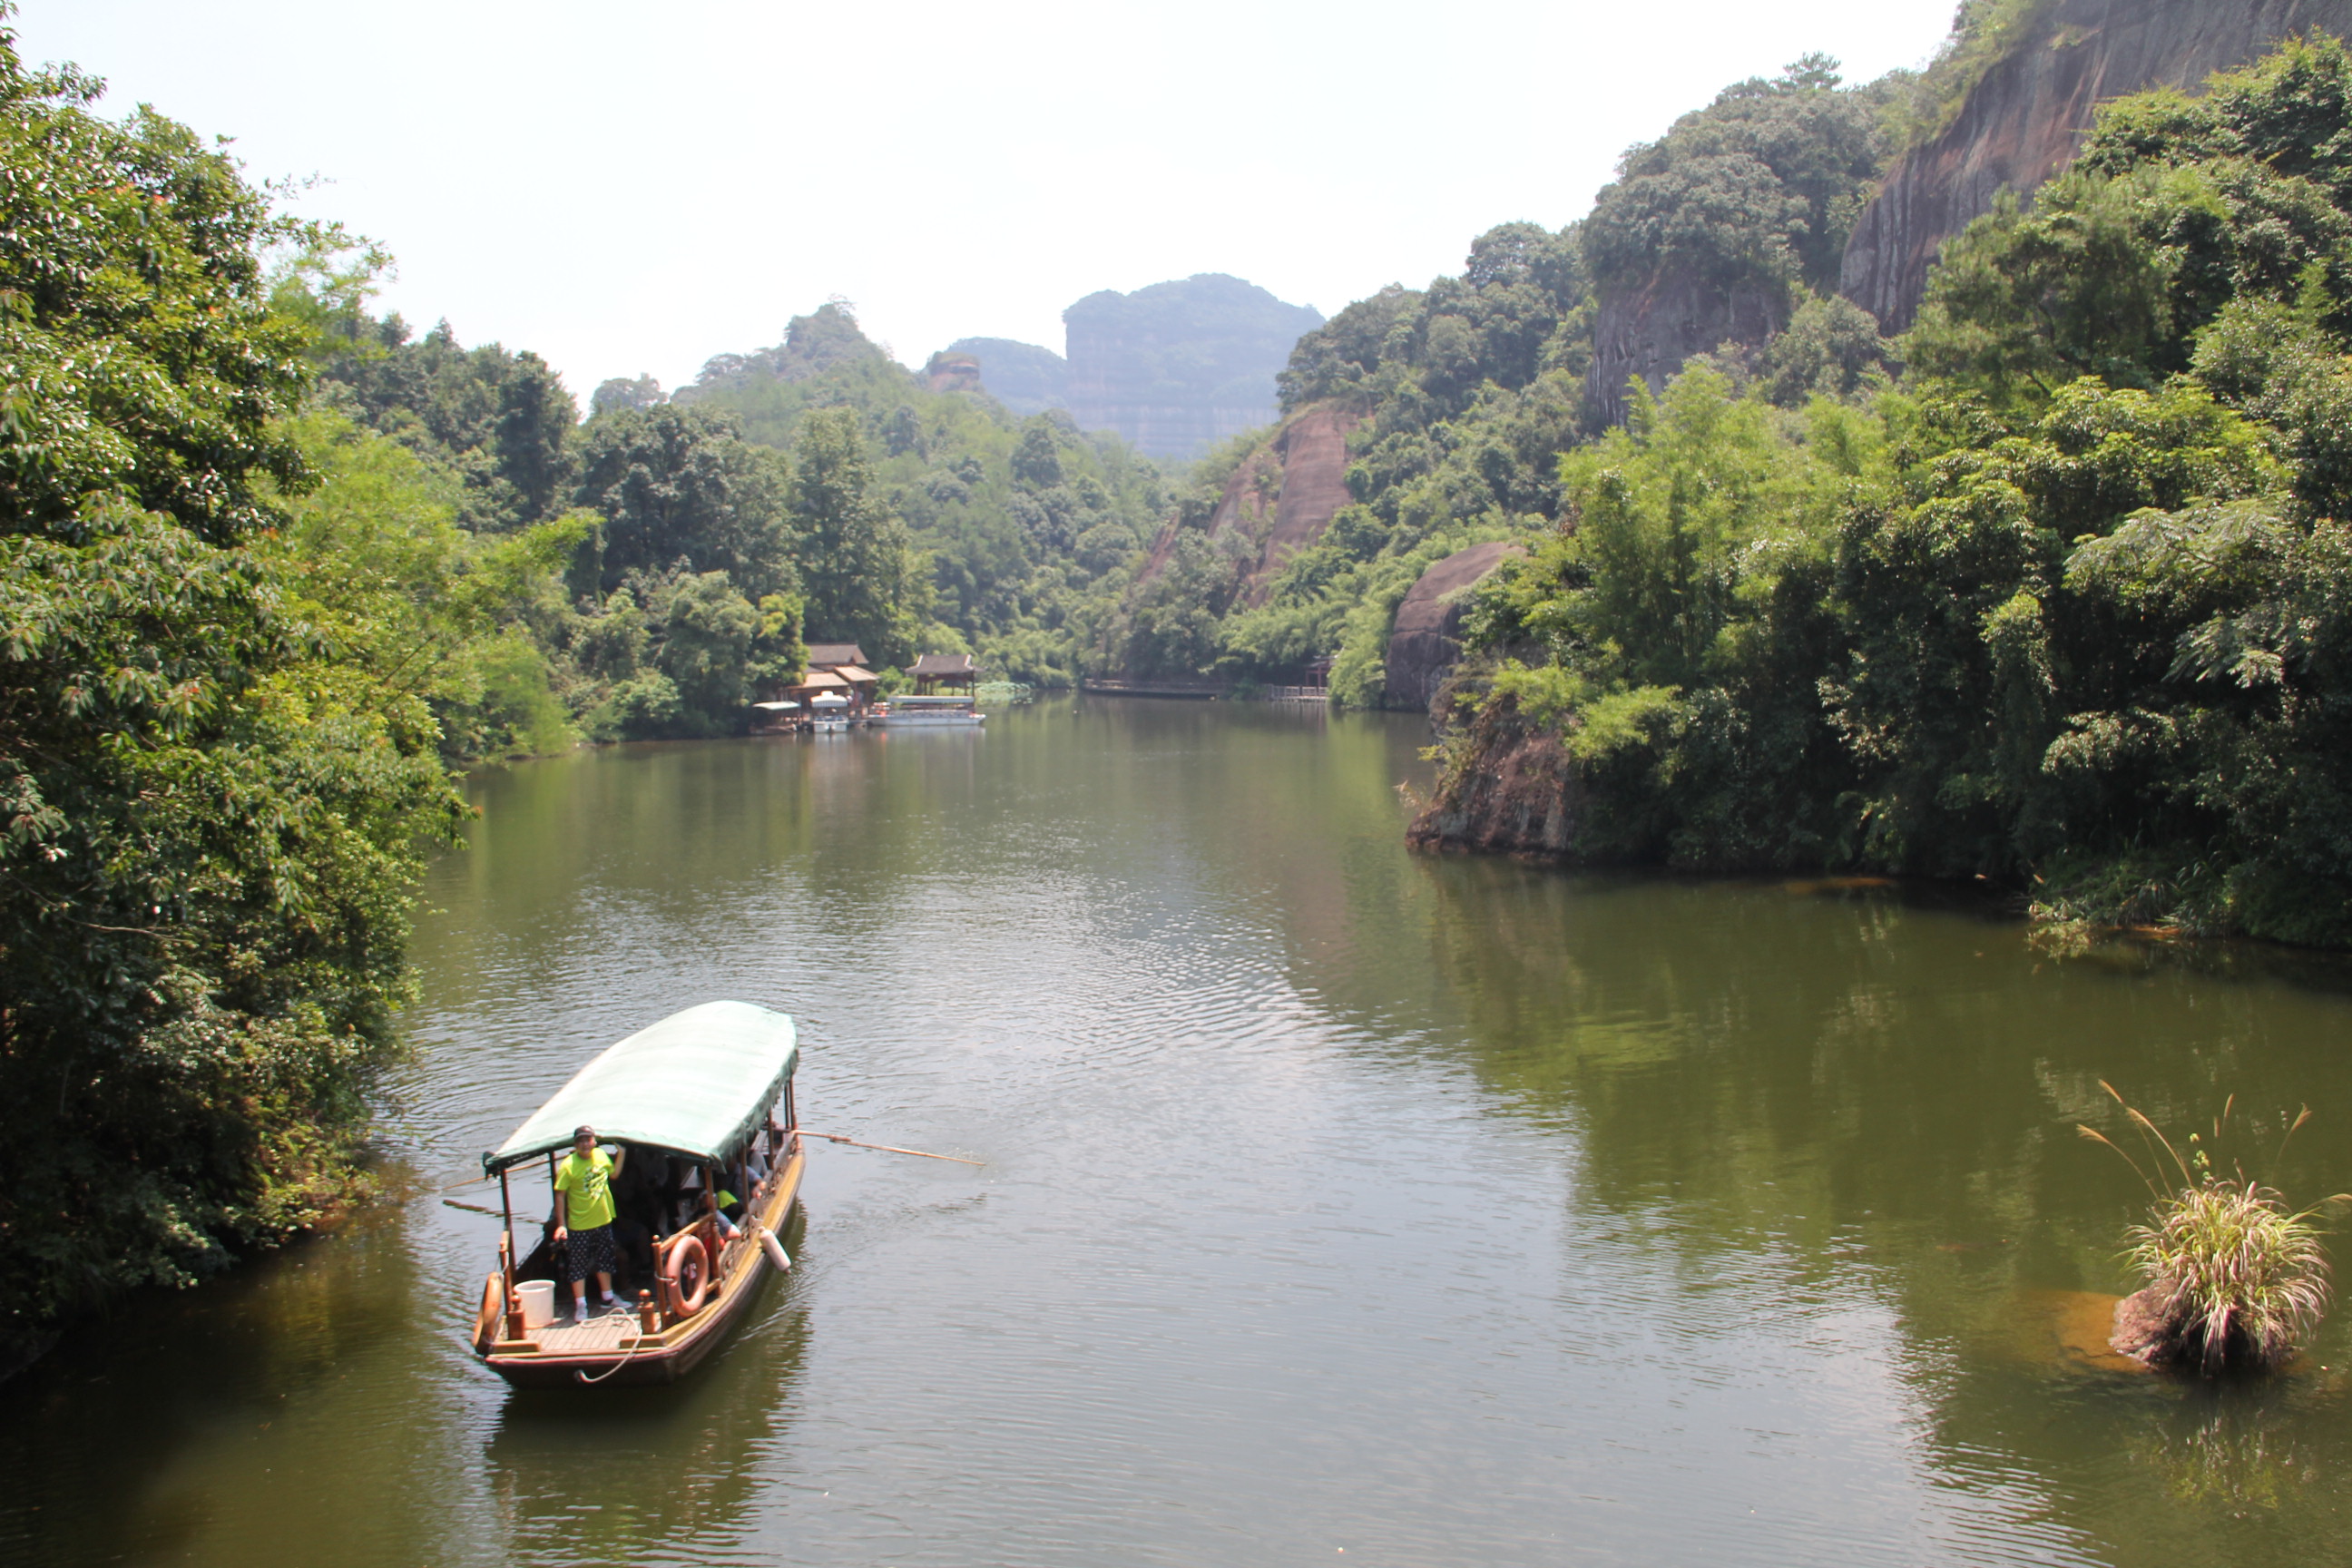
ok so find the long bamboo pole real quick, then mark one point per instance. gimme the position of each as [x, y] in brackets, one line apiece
[886, 1148]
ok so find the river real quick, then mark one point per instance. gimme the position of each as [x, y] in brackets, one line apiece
[1340, 1204]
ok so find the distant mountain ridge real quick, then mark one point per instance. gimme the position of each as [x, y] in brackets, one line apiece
[1174, 368]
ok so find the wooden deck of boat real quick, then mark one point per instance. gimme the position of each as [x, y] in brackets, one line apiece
[612, 1332]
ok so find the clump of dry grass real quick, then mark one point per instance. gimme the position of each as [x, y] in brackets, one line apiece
[2235, 1278]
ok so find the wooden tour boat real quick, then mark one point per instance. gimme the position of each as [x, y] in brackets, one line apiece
[702, 1102]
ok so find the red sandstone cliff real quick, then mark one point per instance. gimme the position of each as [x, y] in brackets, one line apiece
[1515, 798]
[1651, 331]
[1425, 639]
[2028, 114]
[1313, 452]
[1279, 500]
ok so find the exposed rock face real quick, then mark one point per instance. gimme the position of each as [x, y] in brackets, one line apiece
[951, 371]
[1278, 502]
[1516, 801]
[2142, 1331]
[2030, 112]
[1425, 641]
[1177, 367]
[1652, 332]
[1313, 452]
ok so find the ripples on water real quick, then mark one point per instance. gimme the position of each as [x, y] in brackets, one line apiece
[1337, 1202]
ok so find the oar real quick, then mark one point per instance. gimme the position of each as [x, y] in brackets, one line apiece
[471, 1209]
[885, 1148]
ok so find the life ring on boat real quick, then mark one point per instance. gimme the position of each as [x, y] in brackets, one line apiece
[686, 1275]
[487, 1317]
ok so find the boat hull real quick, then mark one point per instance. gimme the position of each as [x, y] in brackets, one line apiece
[632, 1359]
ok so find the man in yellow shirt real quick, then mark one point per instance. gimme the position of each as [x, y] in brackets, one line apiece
[583, 1220]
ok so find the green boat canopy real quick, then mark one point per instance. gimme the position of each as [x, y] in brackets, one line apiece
[695, 1083]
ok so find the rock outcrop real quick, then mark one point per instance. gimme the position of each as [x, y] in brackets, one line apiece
[1174, 368]
[951, 371]
[1651, 331]
[1425, 640]
[1278, 500]
[1024, 377]
[2030, 111]
[1313, 452]
[1177, 367]
[1517, 800]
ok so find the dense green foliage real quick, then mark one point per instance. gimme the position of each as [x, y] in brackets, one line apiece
[1032, 531]
[2063, 609]
[213, 799]
[1761, 187]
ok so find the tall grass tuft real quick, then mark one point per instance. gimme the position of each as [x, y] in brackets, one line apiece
[2235, 1278]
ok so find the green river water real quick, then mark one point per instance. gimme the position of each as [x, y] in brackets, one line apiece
[1340, 1204]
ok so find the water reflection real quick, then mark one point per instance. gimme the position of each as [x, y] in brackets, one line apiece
[652, 1475]
[1445, 1211]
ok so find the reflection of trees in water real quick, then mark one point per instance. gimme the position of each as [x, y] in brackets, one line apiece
[1780, 1060]
[237, 1423]
[1872, 1097]
[651, 1475]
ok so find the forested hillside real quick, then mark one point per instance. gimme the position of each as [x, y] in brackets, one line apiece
[1461, 396]
[814, 488]
[2061, 605]
[1031, 529]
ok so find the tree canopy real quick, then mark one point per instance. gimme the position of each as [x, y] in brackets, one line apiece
[212, 811]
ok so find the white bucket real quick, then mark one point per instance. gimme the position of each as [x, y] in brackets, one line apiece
[538, 1298]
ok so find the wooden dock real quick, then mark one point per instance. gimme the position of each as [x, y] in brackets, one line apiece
[1191, 690]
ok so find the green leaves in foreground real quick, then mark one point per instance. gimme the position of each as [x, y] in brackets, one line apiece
[211, 809]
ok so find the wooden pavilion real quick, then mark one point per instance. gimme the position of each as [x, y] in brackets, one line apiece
[942, 673]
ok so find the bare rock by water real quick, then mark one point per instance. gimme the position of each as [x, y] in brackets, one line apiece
[1425, 641]
[2142, 1331]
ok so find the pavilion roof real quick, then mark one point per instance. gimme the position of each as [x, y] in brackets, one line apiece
[827, 655]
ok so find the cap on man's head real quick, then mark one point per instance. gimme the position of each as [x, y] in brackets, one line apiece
[582, 1131]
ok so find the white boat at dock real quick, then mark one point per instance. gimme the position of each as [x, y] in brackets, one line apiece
[941, 709]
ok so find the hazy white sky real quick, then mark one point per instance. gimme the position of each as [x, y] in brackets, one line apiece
[632, 187]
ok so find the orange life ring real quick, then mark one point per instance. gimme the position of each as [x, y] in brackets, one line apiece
[686, 1275]
[493, 1307]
